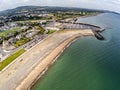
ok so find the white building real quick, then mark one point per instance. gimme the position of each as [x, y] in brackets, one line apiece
[52, 28]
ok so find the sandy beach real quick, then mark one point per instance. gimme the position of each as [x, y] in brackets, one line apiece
[21, 75]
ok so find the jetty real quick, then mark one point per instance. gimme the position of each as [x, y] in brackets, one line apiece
[82, 26]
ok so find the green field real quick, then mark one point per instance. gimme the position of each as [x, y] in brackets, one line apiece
[51, 31]
[11, 58]
[21, 42]
[2, 34]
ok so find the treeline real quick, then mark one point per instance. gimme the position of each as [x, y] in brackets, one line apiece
[22, 18]
[72, 14]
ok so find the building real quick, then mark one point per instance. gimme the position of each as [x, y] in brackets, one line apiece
[52, 28]
[1, 24]
[19, 36]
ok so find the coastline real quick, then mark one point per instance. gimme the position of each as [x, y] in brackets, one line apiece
[52, 62]
[89, 15]
[49, 60]
[21, 75]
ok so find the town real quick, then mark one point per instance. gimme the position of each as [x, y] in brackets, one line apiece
[59, 45]
[23, 27]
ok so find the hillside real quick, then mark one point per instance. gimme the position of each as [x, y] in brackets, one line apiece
[44, 8]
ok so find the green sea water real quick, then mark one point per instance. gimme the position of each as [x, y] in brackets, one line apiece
[88, 64]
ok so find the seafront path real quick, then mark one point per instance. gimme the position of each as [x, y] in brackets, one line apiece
[29, 65]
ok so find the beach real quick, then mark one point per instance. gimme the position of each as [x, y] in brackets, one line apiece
[88, 63]
[20, 75]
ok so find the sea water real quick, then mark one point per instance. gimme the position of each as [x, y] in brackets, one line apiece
[88, 63]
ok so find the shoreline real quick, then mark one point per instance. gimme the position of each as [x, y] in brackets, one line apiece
[47, 68]
[50, 61]
[95, 14]
[35, 62]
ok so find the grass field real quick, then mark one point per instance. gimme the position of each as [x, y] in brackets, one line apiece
[21, 42]
[11, 58]
[51, 31]
[8, 31]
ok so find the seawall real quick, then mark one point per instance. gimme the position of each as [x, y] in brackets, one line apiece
[20, 75]
[43, 66]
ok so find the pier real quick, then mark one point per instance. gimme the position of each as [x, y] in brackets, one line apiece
[73, 25]
[82, 26]
[98, 35]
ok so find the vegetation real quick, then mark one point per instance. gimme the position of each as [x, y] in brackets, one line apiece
[41, 30]
[65, 15]
[21, 42]
[36, 25]
[24, 18]
[7, 32]
[11, 58]
[51, 31]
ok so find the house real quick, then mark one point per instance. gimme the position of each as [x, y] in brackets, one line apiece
[1, 24]
[30, 34]
[43, 21]
[19, 36]
[6, 44]
[24, 27]
[52, 28]
[12, 40]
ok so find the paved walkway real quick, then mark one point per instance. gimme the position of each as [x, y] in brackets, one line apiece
[13, 75]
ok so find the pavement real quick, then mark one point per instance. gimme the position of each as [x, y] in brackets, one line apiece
[12, 76]
[4, 54]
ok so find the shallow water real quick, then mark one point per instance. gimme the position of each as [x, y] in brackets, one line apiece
[88, 64]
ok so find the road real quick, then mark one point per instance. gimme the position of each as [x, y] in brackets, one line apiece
[26, 46]
[16, 72]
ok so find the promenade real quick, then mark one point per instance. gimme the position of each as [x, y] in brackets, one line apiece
[25, 69]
